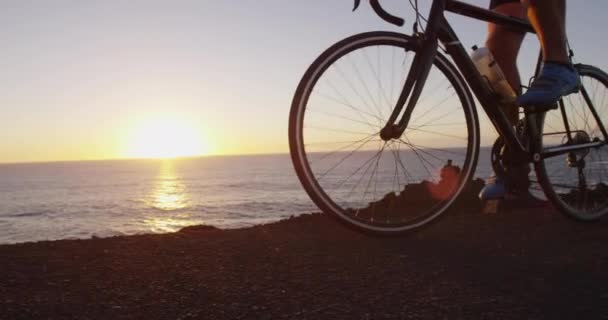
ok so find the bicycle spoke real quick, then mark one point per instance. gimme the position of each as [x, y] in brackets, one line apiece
[350, 84]
[379, 81]
[392, 68]
[367, 164]
[432, 91]
[406, 173]
[603, 103]
[438, 133]
[342, 160]
[345, 118]
[440, 125]
[335, 130]
[332, 142]
[403, 77]
[396, 181]
[585, 116]
[425, 152]
[365, 86]
[431, 109]
[373, 172]
[421, 159]
[451, 111]
[440, 150]
[348, 104]
[366, 139]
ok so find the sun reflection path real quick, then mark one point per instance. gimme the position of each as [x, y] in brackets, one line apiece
[170, 197]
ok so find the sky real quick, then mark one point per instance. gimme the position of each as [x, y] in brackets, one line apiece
[84, 79]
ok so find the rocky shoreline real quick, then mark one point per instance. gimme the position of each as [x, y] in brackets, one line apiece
[532, 264]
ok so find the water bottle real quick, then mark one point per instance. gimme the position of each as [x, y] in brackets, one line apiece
[490, 70]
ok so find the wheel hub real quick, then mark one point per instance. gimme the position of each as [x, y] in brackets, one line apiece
[390, 132]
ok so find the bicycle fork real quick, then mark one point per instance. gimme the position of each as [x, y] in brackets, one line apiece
[419, 71]
[426, 45]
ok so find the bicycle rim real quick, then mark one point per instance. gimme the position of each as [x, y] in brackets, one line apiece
[577, 182]
[343, 101]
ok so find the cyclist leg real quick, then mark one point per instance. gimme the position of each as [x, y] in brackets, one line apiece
[504, 44]
[548, 17]
[557, 78]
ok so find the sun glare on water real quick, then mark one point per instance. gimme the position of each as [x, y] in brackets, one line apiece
[165, 138]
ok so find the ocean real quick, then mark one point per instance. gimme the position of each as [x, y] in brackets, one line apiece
[77, 200]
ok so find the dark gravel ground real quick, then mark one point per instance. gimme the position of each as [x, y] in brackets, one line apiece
[519, 264]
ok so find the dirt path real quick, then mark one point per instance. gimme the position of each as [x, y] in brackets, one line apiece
[529, 264]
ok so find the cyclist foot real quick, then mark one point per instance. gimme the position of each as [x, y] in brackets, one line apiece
[555, 81]
[497, 189]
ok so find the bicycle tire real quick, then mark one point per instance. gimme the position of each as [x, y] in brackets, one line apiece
[588, 202]
[301, 156]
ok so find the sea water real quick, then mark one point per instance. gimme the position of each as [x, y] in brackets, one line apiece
[68, 200]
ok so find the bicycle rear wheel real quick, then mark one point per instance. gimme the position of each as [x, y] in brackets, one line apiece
[577, 182]
[340, 106]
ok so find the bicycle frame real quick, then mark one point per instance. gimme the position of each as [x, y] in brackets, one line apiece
[439, 29]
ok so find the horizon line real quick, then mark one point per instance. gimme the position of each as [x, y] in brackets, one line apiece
[151, 159]
[157, 159]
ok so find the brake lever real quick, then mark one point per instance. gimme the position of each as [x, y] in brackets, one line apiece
[357, 3]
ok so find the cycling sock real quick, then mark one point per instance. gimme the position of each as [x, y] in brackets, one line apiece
[565, 64]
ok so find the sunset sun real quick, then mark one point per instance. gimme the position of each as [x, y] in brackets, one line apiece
[165, 138]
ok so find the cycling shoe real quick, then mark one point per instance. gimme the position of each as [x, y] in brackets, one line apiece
[554, 82]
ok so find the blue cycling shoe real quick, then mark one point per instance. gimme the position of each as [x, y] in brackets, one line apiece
[514, 189]
[555, 81]
[497, 189]
[494, 189]
[513, 183]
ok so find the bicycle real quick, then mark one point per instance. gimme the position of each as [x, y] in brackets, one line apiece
[376, 116]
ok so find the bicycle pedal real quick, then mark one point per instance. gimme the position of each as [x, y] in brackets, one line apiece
[491, 206]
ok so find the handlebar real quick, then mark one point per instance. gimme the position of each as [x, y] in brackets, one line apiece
[382, 13]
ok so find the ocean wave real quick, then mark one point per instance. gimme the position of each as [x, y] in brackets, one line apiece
[29, 214]
[104, 206]
[188, 208]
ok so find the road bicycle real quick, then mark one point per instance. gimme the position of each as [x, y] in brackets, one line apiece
[376, 117]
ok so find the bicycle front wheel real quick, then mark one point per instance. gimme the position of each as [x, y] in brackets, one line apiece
[577, 182]
[340, 106]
